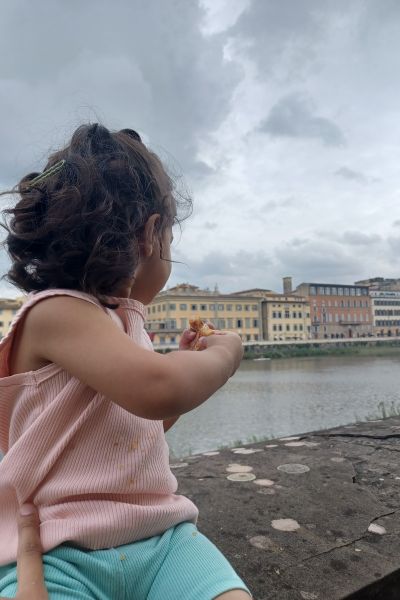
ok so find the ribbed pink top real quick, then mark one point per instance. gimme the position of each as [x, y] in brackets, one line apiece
[99, 475]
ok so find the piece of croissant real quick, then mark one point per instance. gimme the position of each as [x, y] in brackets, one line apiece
[201, 329]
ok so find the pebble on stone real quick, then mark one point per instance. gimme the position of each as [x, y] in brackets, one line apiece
[309, 595]
[269, 491]
[210, 453]
[374, 528]
[338, 459]
[271, 446]
[293, 468]
[285, 524]
[262, 542]
[265, 482]
[241, 477]
[234, 468]
[179, 465]
[245, 451]
[289, 439]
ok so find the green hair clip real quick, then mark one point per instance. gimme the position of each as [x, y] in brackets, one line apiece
[50, 171]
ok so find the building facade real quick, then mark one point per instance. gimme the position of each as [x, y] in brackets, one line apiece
[169, 313]
[338, 310]
[8, 308]
[285, 317]
[385, 307]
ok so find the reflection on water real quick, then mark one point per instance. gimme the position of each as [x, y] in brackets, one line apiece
[282, 397]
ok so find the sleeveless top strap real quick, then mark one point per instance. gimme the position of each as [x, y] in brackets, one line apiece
[33, 298]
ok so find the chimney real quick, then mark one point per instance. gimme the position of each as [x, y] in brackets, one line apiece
[287, 285]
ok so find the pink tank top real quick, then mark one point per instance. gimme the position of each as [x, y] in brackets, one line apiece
[99, 475]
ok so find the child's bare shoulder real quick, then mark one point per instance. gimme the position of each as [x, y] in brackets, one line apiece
[79, 336]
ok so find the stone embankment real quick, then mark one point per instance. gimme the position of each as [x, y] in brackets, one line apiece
[311, 517]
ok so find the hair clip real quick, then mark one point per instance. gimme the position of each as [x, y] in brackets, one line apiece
[50, 171]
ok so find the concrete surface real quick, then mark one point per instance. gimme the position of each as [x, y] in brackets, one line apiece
[327, 531]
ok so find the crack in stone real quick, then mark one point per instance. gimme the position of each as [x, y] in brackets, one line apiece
[358, 435]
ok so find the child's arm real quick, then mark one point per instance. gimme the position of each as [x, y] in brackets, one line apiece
[88, 345]
[169, 422]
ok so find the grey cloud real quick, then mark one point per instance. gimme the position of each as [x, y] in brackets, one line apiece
[347, 173]
[231, 272]
[358, 238]
[129, 64]
[277, 204]
[294, 116]
[396, 223]
[210, 225]
[318, 261]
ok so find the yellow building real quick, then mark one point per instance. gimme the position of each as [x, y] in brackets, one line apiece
[256, 314]
[169, 313]
[8, 308]
[286, 317]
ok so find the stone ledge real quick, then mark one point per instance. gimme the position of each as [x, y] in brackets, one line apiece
[328, 531]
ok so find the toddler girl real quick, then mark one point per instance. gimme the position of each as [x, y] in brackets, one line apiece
[84, 401]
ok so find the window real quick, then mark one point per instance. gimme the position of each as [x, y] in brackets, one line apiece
[153, 309]
[230, 325]
[184, 323]
[212, 306]
[247, 322]
[295, 327]
[238, 307]
[279, 327]
[274, 314]
[301, 327]
[229, 307]
[352, 291]
[183, 306]
[287, 315]
[203, 306]
[294, 315]
[173, 339]
[220, 307]
[354, 303]
[254, 307]
[358, 292]
[321, 291]
[313, 290]
[255, 322]
[159, 308]
[248, 337]
[327, 291]
[163, 306]
[279, 315]
[220, 323]
[346, 291]
[162, 339]
[273, 327]
[172, 307]
[193, 307]
[239, 323]
[287, 327]
[337, 318]
[340, 291]
[247, 307]
[256, 337]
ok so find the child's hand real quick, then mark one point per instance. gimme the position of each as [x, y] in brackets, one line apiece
[230, 340]
[188, 336]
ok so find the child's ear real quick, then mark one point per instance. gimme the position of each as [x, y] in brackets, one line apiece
[150, 235]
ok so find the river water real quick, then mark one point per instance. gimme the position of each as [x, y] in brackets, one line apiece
[277, 398]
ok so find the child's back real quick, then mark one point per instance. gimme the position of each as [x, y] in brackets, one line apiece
[90, 466]
[82, 427]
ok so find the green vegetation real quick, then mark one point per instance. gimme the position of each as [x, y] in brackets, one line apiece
[384, 411]
[379, 349]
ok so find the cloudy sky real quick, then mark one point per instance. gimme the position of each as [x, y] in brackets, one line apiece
[282, 117]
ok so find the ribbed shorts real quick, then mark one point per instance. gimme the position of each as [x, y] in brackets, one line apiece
[180, 564]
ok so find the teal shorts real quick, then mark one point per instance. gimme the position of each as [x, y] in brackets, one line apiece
[180, 564]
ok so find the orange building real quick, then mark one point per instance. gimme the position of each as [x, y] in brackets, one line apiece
[338, 310]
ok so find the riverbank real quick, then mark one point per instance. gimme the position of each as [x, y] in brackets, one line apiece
[313, 517]
[386, 348]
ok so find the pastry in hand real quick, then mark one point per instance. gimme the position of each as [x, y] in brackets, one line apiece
[201, 329]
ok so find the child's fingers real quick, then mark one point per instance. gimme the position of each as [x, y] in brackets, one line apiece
[29, 558]
[186, 339]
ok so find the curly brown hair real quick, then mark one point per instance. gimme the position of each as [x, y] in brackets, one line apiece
[81, 227]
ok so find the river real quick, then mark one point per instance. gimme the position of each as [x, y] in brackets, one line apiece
[283, 397]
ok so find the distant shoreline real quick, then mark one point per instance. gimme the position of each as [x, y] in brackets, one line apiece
[380, 349]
